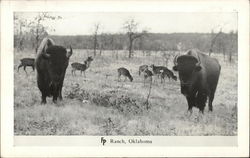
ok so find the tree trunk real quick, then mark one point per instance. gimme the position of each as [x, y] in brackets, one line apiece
[130, 47]
[95, 45]
[37, 39]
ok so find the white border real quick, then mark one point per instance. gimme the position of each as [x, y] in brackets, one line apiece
[7, 8]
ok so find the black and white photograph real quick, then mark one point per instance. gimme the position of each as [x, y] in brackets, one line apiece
[125, 74]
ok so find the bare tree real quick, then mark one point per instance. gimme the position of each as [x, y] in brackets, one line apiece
[38, 28]
[233, 45]
[95, 34]
[213, 40]
[131, 28]
[19, 31]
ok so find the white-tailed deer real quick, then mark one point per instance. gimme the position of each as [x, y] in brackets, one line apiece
[142, 68]
[81, 67]
[124, 72]
[27, 62]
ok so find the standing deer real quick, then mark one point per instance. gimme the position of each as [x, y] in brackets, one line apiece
[168, 73]
[81, 67]
[27, 62]
[147, 74]
[142, 68]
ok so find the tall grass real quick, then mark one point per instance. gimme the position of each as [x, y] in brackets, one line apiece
[100, 105]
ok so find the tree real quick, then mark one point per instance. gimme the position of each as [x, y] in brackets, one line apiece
[19, 31]
[130, 27]
[38, 29]
[95, 34]
[233, 44]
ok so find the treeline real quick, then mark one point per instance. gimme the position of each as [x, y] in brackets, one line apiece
[154, 42]
[225, 42]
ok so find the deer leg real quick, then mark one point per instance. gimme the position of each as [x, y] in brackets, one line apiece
[19, 67]
[24, 68]
[119, 77]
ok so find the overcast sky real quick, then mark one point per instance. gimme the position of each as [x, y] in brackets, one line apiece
[82, 23]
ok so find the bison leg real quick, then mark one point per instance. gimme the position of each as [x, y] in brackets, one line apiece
[54, 99]
[43, 99]
[43, 86]
[33, 67]
[201, 101]
[60, 93]
[211, 98]
[191, 103]
[60, 90]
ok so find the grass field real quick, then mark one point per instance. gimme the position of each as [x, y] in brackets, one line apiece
[99, 105]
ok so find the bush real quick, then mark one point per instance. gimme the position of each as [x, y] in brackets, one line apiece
[124, 103]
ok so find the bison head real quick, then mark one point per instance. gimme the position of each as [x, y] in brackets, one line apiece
[57, 58]
[188, 67]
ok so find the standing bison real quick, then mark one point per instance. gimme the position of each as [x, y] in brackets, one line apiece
[51, 64]
[199, 75]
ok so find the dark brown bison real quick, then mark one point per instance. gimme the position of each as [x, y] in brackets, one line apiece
[51, 64]
[199, 75]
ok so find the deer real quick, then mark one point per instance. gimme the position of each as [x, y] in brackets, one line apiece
[147, 74]
[168, 73]
[81, 67]
[162, 71]
[27, 62]
[124, 72]
[142, 68]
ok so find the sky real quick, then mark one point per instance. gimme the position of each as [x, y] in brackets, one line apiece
[82, 23]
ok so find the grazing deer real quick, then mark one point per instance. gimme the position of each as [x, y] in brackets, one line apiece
[169, 74]
[142, 68]
[81, 67]
[147, 74]
[123, 71]
[27, 62]
[157, 70]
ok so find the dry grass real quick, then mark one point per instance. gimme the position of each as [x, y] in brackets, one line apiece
[99, 105]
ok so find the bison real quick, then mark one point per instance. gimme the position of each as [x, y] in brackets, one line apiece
[199, 75]
[51, 64]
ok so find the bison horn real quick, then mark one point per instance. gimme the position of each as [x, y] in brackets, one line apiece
[46, 55]
[198, 60]
[175, 59]
[69, 53]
